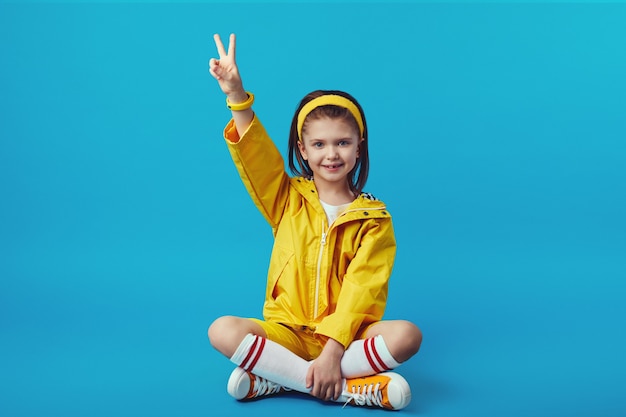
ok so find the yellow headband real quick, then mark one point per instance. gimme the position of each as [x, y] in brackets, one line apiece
[330, 99]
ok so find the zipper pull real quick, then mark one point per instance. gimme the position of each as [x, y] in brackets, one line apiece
[323, 238]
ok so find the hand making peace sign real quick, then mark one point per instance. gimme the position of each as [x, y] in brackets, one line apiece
[225, 70]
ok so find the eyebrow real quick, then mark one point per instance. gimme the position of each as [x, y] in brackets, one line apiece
[330, 140]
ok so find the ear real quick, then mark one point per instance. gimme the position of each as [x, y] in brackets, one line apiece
[358, 148]
[302, 150]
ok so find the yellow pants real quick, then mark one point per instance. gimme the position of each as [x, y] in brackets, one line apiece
[302, 341]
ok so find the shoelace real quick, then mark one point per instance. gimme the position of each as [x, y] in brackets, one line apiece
[264, 387]
[369, 394]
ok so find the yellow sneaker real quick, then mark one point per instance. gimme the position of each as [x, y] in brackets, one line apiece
[243, 385]
[386, 390]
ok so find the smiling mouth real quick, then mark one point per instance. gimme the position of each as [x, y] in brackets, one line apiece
[334, 166]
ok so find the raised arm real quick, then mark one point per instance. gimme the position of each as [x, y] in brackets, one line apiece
[225, 71]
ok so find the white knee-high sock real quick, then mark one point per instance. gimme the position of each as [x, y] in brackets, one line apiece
[367, 357]
[272, 361]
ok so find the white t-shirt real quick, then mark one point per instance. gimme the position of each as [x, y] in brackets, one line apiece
[332, 212]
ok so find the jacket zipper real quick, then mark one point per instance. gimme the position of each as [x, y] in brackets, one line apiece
[319, 272]
[321, 255]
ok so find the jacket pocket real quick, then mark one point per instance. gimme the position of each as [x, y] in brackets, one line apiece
[279, 261]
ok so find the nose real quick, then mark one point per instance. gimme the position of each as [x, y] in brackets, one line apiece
[332, 152]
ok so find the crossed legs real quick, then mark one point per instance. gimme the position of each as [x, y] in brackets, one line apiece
[401, 338]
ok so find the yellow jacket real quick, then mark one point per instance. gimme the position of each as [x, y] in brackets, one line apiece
[332, 278]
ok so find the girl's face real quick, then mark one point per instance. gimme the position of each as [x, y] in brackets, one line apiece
[331, 148]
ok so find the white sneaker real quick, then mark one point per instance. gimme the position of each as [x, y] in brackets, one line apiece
[386, 390]
[243, 385]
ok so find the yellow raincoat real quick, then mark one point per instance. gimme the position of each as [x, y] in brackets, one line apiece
[331, 278]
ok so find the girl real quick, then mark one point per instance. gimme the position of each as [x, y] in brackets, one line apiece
[333, 254]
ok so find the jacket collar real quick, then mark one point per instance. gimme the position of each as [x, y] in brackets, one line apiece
[365, 206]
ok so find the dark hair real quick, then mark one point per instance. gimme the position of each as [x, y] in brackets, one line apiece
[358, 176]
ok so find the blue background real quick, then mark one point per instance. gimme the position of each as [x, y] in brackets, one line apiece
[497, 140]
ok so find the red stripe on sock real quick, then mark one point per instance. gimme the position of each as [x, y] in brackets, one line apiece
[369, 356]
[250, 352]
[380, 361]
[258, 355]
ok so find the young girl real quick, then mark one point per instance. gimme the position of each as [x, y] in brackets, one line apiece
[333, 253]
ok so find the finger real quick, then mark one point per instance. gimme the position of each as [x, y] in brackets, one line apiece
[309, 378]
[220, 46]
[329, 393]
[232, 46]
[338, 390]
[326, 393]
[214, 74]
[213, 68]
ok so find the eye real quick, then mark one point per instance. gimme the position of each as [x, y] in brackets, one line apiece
[344, 143]
[317, 144]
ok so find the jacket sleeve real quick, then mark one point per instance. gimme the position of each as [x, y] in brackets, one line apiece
[363, 294]
[261, 169]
